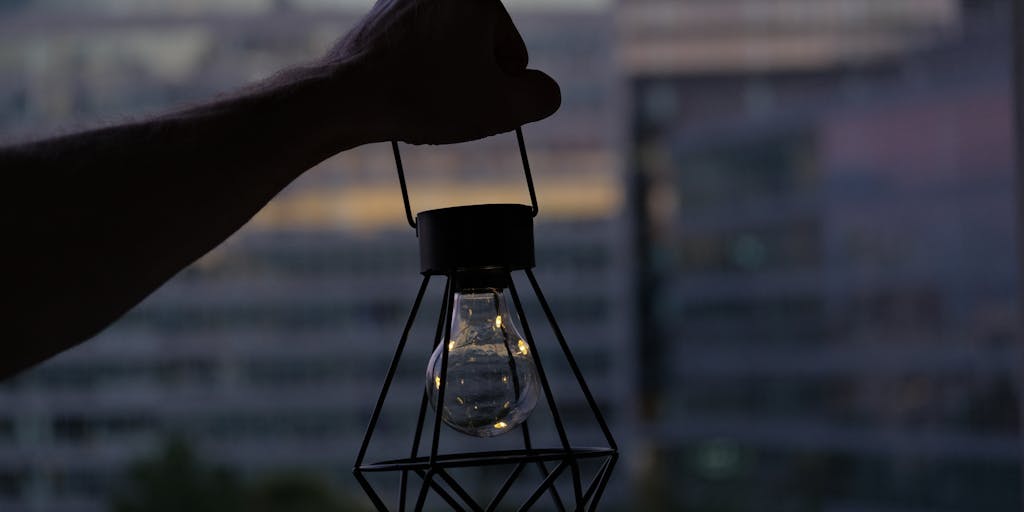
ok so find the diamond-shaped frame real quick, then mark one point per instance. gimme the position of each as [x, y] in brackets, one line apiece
[433, 470]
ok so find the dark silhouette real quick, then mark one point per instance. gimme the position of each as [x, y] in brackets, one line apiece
[95, 221]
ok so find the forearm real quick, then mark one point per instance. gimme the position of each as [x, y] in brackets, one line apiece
[99, 220]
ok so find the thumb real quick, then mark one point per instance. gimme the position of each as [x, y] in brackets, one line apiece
[530, 96]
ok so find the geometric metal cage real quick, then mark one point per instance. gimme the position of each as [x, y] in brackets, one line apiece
[431, 471]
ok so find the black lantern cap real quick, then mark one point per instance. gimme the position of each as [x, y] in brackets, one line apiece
[480, 279]
[467, 239]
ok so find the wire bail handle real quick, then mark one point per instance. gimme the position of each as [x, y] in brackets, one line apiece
[405, 189]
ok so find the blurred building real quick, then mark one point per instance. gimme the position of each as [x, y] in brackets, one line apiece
[823, 192]
[817, 261]
[268, 353]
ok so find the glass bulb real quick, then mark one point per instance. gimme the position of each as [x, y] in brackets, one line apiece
[492, 383]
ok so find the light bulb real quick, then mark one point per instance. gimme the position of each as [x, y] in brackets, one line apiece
[492, 383]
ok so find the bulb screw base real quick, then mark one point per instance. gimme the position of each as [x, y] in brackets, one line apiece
[465, 240]
[480, 279]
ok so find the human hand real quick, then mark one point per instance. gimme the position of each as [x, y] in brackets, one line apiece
[444, 71]
[420, 71]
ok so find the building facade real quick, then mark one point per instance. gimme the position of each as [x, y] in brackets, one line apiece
[829, 244]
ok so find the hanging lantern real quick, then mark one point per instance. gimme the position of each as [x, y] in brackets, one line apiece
[484, 374]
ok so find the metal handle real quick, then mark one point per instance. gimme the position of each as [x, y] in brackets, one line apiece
[405, 189]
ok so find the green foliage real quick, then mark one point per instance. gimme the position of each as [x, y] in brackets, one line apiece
[175, 481]
[294, 492]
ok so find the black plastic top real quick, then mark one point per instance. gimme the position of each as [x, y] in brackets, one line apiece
[475, 237]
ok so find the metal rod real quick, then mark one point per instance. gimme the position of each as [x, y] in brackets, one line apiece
[423, 402]
[508, 350]
[525, 428]
[543, 487]
[604, 483]
[577, 485]
[440, 490]
[459, 490]
[540, 368]
[439, 408]
[526, 169]
[401, 181]
[597, 478]
[572, 361]
[488, 458]
[391, 372]
[442, 315]
[544, 385]
[403, 483]
[505, 487]
[543, 468]
[422, 497]
[415, 448]
[374, 498]
[522, 155]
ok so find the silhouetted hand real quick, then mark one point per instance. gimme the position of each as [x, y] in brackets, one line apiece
[102, 218]
[445, 70]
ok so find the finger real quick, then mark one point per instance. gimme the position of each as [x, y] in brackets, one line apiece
[509, 48]
[531, 96]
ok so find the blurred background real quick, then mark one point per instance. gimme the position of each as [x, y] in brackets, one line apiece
[780, 235]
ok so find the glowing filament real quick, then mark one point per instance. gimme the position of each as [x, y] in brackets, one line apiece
[497, 322]
[500, 424]
[524, 348]
[437, 382]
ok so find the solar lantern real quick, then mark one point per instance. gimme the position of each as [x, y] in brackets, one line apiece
[484, 376]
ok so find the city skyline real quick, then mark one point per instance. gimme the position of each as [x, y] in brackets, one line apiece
[777, 234]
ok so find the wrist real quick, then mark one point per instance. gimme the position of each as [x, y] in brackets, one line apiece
[329, 108]
[367, 101]
[313, 112]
